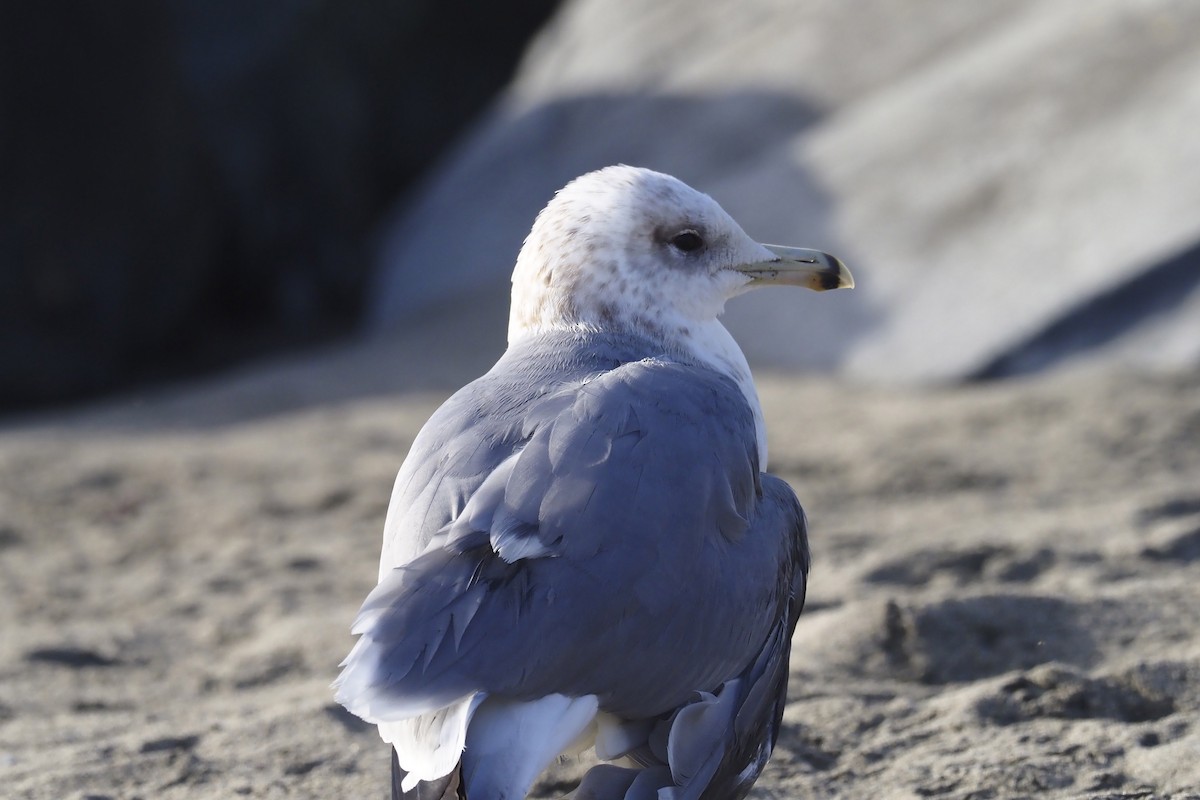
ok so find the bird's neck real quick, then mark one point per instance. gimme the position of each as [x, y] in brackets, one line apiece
[711, 343]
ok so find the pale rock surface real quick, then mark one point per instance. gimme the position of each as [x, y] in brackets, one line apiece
[987, 170]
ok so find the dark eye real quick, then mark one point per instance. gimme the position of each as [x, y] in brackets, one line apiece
[687, 242]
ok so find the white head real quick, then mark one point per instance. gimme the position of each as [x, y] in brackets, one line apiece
[631, 250]
[626, 248]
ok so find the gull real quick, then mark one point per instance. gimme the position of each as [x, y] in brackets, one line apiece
[582, 550]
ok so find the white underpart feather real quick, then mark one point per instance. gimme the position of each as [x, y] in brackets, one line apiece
[429, 746]
[510, 742]
[615, 736]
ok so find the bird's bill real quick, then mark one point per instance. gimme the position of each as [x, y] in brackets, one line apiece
[799, 266]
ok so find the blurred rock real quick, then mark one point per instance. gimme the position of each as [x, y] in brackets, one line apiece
[1000, 177]
[107, 212]
[471, 221]
[186, 183]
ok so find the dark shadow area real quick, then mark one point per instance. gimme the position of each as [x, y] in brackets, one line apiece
[960, 640]
[186, 185]
[1058, 691]
[443, 349]
[1103, 318]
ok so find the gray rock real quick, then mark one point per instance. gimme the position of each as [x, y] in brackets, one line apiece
[991, 172]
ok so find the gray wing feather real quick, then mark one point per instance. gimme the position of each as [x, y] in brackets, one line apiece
[715, 747]
[746, 748]
[627, 498]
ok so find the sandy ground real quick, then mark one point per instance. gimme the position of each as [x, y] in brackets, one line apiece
[1005, 600]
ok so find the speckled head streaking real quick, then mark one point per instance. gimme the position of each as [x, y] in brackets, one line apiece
[629, 248]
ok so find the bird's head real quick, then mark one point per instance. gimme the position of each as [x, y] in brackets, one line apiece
[628, 248]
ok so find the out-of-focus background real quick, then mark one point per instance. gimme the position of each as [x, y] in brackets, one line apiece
[187, 186]
[246, 248]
